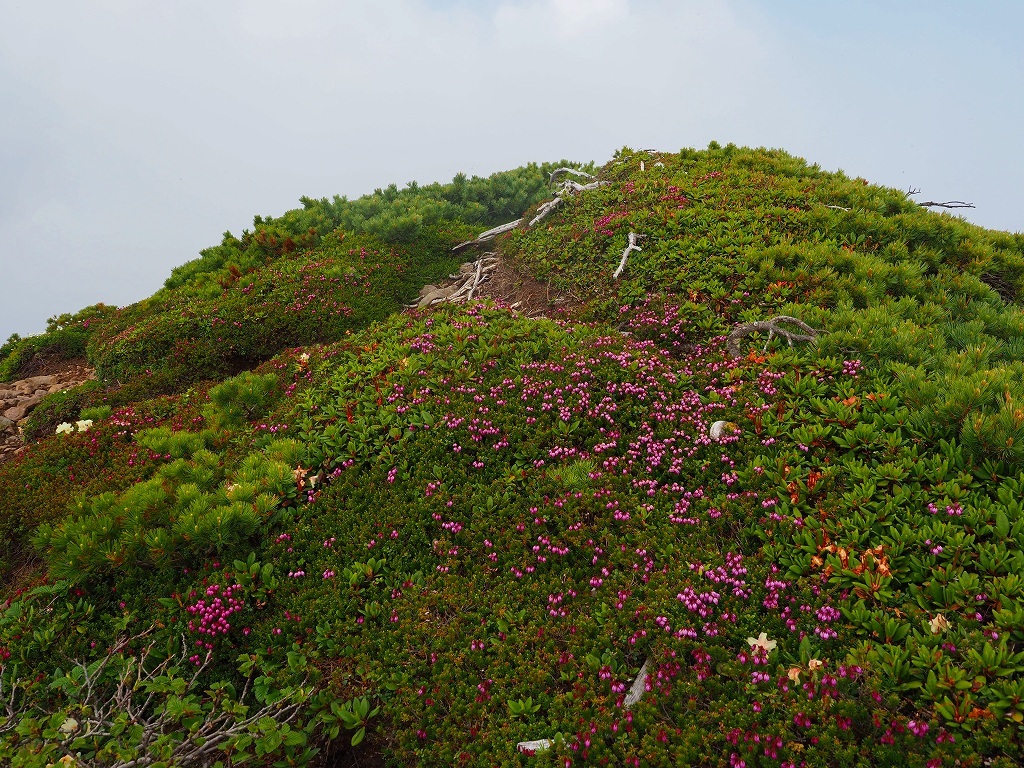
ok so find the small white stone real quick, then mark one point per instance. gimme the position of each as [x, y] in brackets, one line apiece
[718, 429]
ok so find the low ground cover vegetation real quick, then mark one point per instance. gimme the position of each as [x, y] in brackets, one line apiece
[431, 535]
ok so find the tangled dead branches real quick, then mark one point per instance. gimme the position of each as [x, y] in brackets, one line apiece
[774, 329]
[170, 724]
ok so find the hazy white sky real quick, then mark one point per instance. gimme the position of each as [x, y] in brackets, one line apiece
[133, 133]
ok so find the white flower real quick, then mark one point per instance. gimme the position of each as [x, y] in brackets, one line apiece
[65, 428]
[83, 424]
[815, 664]
[70, 726]
[938, 624]
[762, 643]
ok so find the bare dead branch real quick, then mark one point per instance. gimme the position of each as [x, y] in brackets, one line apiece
[574, 186]
[836, 207]
[911, 191]
[544, 210]
[774, 329]
[633, 236]
[947, 204]
[490, 234]
[555, 174]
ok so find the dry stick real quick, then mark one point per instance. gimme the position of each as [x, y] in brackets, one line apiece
[948, 204]
[476, 280]
[625, 254]
[836, 207]
[772, 326]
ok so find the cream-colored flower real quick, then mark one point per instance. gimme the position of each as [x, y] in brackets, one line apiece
[65, 428]
[83, 424]
[762, 643]
[815, 664]
[938, 624]
[794, 674]
[70, 726]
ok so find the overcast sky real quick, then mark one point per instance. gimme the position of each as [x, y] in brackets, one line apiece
[133, 133]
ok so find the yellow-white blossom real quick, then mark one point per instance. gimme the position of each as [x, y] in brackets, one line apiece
[83, 424]
[65, 428]
[762, 643]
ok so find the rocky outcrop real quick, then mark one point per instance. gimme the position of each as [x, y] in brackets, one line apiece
[19, 398]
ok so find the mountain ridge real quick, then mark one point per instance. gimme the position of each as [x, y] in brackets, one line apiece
[625, 520]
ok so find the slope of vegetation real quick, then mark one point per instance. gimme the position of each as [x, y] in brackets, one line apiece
[425, 537]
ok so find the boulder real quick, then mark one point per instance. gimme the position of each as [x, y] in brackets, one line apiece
[22, 409]
[5, 424]
[33, 383]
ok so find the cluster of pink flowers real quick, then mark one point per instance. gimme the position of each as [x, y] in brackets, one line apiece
[211, 615]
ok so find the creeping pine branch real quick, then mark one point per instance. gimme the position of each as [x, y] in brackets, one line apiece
[633, 236]
[774, 329]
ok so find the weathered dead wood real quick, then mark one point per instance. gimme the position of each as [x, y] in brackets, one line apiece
[574, 186]
[544, 210]
[774, 329]
[555, 174]
[490, 234]
[633, 236]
